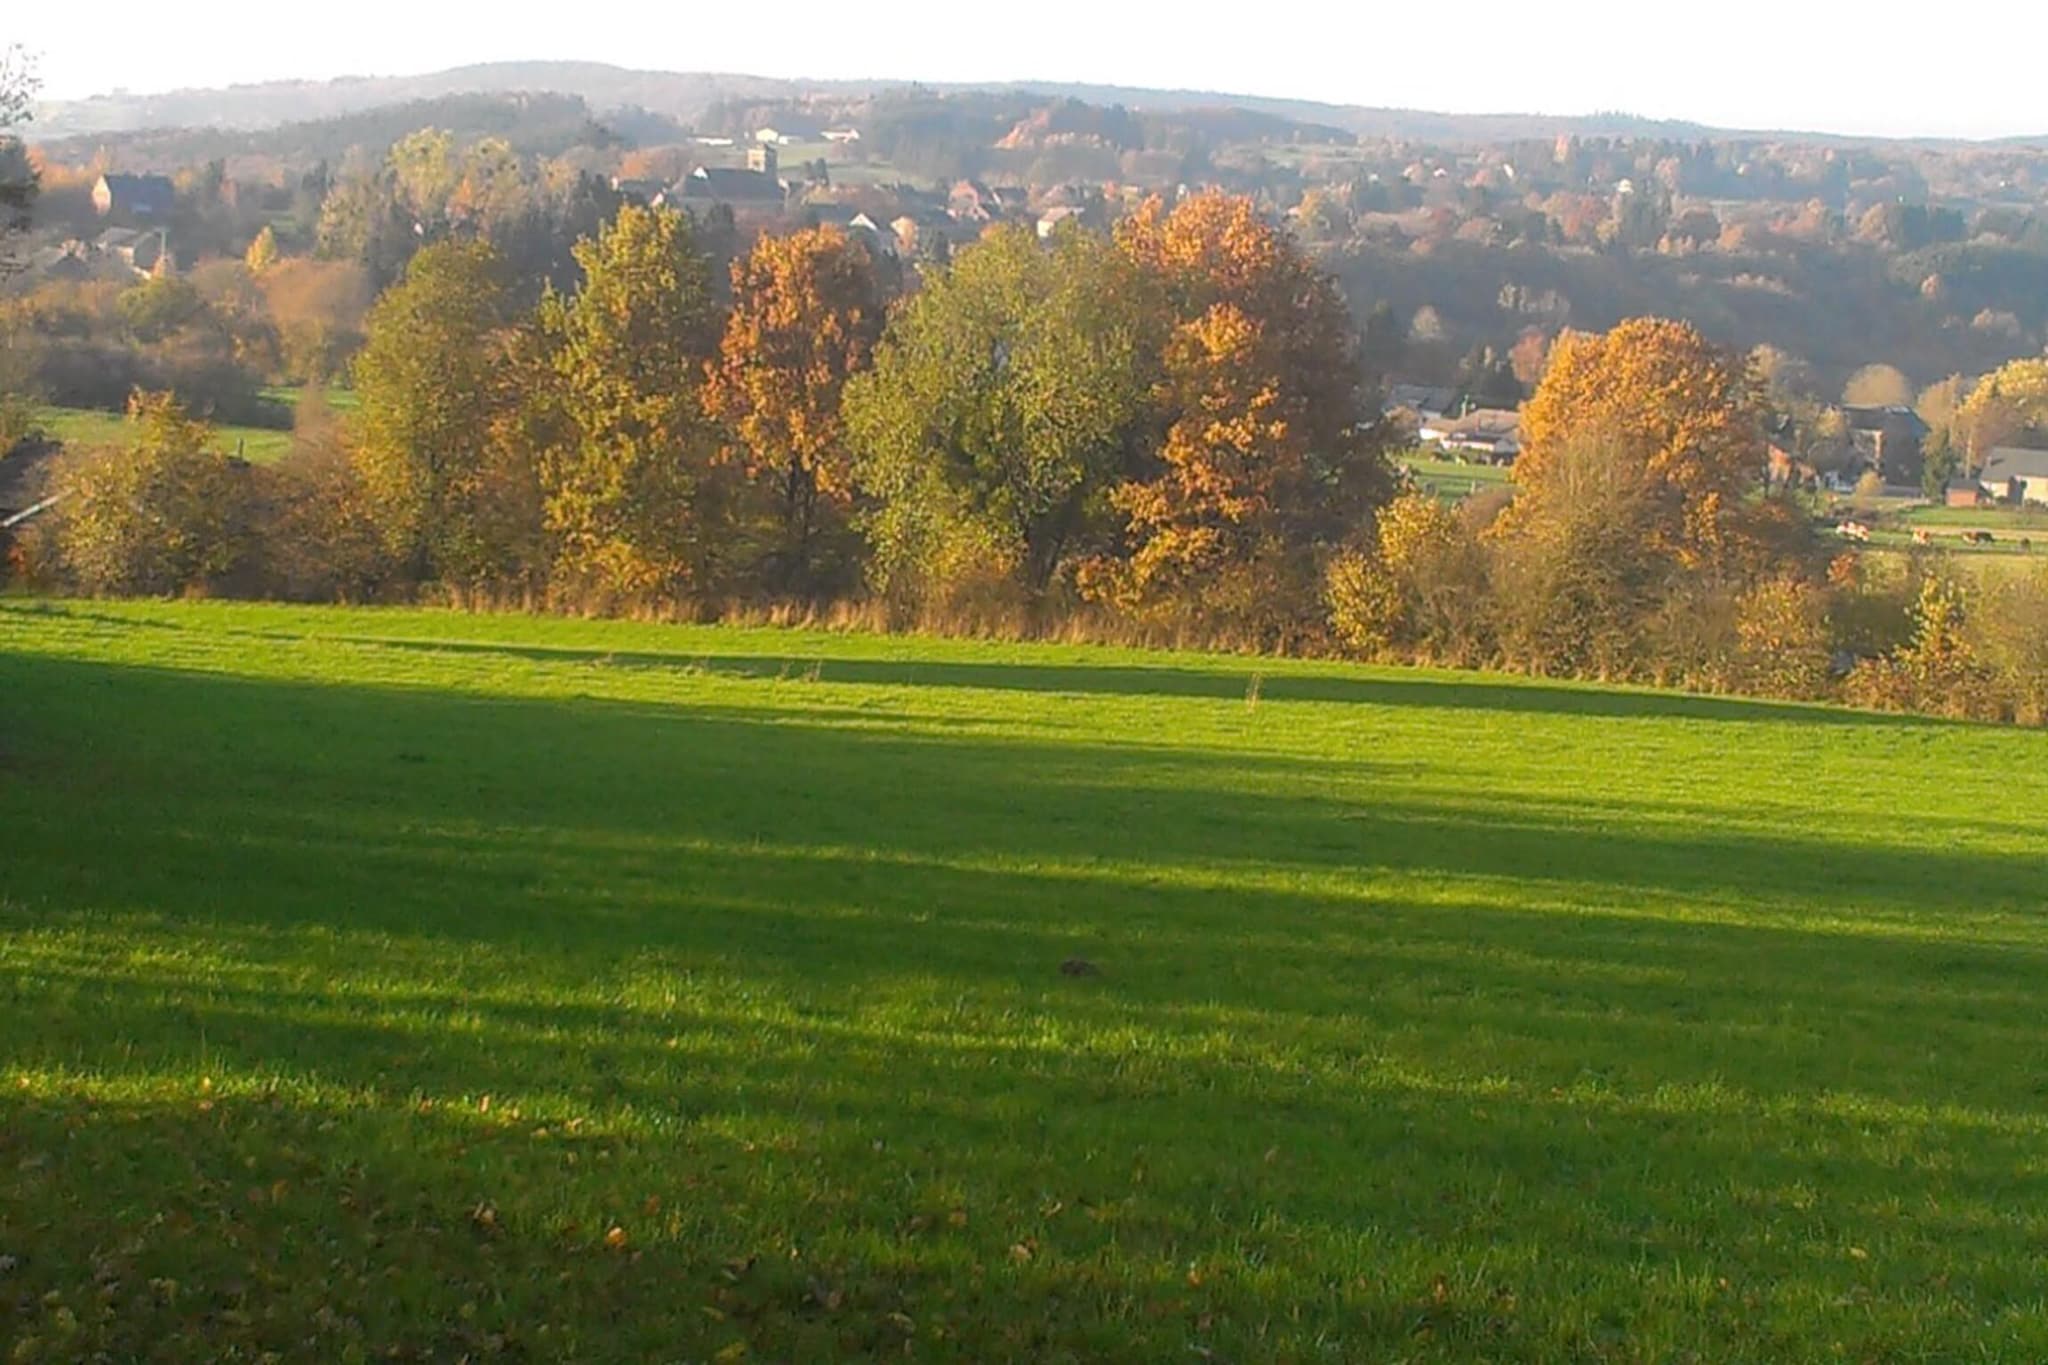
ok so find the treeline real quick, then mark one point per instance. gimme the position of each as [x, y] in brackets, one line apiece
[1637, 547]
[1158, 434]
[1167, 427]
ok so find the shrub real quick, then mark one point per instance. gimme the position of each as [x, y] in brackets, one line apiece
[1783, 646]
[164, 513]
[1938, 673]
[1422, 591]
[2009, 632]
[323, 541]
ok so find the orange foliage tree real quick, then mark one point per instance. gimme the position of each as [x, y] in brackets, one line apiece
[807, 311]
[1267, 459]
[1680, 422]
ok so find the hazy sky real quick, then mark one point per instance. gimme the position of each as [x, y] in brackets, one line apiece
[1851, 66]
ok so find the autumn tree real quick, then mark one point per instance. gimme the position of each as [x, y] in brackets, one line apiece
[323, 541]
[1268, 457]
[1530, 354]
[1582, 557]
[160, 512]
[2007, 405]
[1420, 588]
[318, 310]
[262, 253]
[1672, 412]
[1004, 401]
[1878, 386]
[429, 381]
[1636, 522]
[807, 311]
[631, 498]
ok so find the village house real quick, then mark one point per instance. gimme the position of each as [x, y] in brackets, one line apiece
[858, 225]
[970, 201]
[1890, 440]
[1430, 404]
[1056, 217]
[139, 250]
[651, 193]
[790, 131]
[1490, 434]
[757, 186]
[70, 260]
[139, 197]
[2014, 475]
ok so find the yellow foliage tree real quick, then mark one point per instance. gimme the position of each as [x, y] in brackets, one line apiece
[162, 512]
[2006, 405]
[627, 486]
[1422, 589]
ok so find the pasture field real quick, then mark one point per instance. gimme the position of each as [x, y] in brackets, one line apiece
[385, 984]
[92, 427]
[2017, 520]
[1453, 481]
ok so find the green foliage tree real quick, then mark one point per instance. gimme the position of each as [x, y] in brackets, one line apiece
[429, 381]
[631, 492]
[1003, 402]
[161, 305]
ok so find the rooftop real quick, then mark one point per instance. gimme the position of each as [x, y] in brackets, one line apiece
[2013, 462]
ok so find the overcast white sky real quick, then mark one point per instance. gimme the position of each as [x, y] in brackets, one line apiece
[1850, 66]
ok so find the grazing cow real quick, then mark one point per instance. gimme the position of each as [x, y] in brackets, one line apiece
[1979, 537]
[1921, 537]
[1853, 530]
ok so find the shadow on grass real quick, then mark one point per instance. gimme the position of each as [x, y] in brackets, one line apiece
[1224, 682]
[800, 983]
[1438, 691]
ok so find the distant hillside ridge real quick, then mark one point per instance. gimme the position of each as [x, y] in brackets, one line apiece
[687, 96]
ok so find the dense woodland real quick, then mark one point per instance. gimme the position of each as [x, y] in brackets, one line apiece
[1157, 416]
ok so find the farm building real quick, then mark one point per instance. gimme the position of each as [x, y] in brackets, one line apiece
[790, 131]
[140, 197]
[1427, 402]
[1491, 434]
[2015, 475]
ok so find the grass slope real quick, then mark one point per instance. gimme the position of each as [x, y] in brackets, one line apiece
[408, 985]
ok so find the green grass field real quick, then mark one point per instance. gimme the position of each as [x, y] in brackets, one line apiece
[2016, 519]
[91, 427]
[1454, 481]
[406, 985]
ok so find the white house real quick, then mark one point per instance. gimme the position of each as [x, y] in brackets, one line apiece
[783, 134]
[2014, 475]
